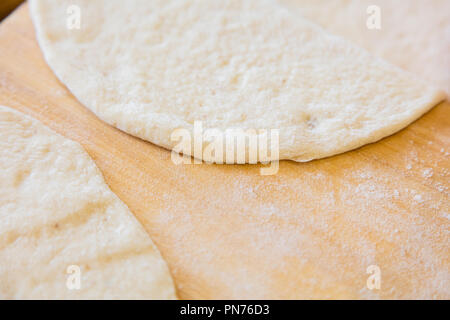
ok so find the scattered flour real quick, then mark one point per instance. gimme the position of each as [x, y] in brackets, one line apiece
[418, 198]
[427, 173]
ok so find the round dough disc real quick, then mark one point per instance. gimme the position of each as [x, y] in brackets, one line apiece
[150, 67]
[63, 233]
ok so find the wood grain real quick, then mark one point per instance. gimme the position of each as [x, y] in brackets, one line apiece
[310, 231]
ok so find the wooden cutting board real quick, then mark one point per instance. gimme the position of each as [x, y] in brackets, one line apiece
[311, 231]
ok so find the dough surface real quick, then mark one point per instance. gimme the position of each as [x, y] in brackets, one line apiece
[57, 212]
[414, 34]
[151, 67]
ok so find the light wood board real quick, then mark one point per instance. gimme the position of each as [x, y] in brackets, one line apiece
[310, 231]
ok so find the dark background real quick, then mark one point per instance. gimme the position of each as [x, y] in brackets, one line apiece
[7, 6]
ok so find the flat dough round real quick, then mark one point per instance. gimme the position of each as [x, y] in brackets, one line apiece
[151, 67]
[414, 34]
[60, 222]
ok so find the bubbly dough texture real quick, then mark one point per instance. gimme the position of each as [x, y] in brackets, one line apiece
[56, 211]
[414, 34]
[151, 67]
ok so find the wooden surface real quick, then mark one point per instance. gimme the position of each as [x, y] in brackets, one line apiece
[310, 231]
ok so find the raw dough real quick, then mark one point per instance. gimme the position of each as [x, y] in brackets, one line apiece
[57, 214]
[151, 67]
[414, 34]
